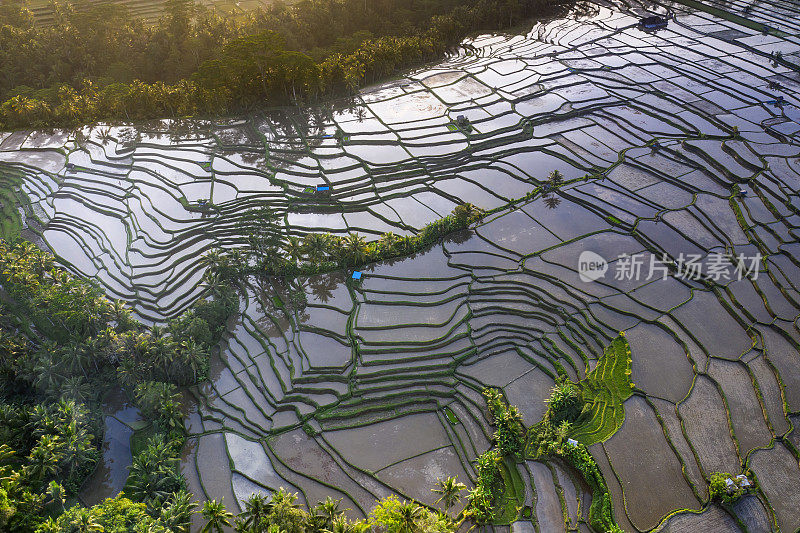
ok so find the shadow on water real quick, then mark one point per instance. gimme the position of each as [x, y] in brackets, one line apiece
[121, 420]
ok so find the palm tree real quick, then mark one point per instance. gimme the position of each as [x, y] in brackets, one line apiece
[177, 514]
[47, 376]
[294, 249]
[450, 491]
[87, 523]
[355, 249]
[562, 431]
[45, 457]
[388, 242]
[74, 358]
[408, 513]
[216, 515]
[48, 526]
[56, 496]
[316, 246]
[193, 354]
[76, 388]
[78, 449]
[328, 510]
[340, 525]
[256, 509]
[118, 311]
[153, 476]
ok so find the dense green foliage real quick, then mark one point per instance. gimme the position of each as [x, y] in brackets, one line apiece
[46, 452]
[498, 492]
[727, 488]
[565, 402]
[281, 513]
[114, 515]
[63, 346]
[154, 475]
[98, 63]
[510, 434]
[58, 334]
[484, 497]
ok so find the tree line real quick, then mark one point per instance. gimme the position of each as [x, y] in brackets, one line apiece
[269, 254]
[97, 63]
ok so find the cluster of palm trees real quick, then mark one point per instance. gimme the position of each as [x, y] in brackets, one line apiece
[62, 347]
[280, 513]
[322, 252]
[60, 305]
[154, 478]
[78, 334]
[45, 453]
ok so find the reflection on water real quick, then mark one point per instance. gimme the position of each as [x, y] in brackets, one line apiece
[121, 420]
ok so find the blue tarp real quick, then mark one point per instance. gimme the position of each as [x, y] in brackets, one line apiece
[356, 275]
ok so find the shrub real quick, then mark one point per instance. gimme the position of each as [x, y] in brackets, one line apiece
[510, 432]
[190, 326]
[565, 402]
[727, 492]
[114, 515]
[393, 516]
[495, 403]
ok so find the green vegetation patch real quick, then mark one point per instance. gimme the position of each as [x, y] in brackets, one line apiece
[604, 391]
[451, 416]
[512, 498]
[10, 219]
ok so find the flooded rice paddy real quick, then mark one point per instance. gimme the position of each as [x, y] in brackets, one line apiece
[370, 389]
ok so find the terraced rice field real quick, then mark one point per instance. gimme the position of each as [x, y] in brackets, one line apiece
[360, 390]
[148, 10]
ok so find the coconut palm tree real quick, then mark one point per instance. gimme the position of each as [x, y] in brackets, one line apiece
[328, 510]
[355, 249]
[177, 514]
[153, 474]
[450, 491]
[216, 516]
[294, 249]
[56, 496]
[87, 523]
[316, 246]
[44, 458]
[193, 355]
[342, 525]
[562, 432]
[408, 514]
[256, 509]
[388, 243]
[76, 388]
[48, 526]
